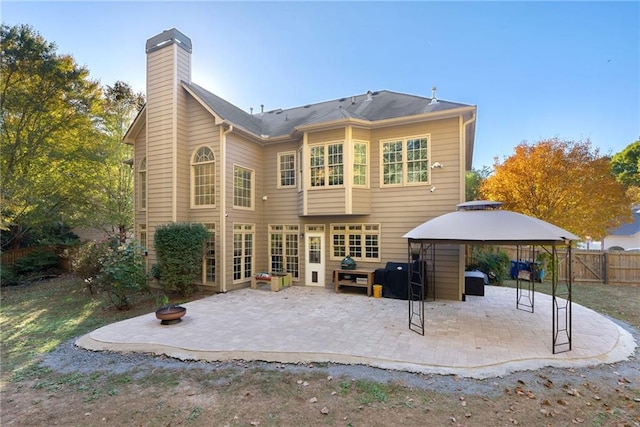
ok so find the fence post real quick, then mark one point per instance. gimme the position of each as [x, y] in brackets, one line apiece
[605, 268]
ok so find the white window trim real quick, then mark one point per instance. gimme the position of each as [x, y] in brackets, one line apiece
[211, 228]
[363, 233]
[247, 228]
[404, 140]
[326, 165]
[300, 170]
[142, 230]
[146, 186]
[253, 188]
[295, 170]
[287, 229]
[353, 158]
[192, 178]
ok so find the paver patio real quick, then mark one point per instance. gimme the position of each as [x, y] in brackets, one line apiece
[480, 337]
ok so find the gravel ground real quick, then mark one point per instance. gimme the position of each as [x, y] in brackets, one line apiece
[67, 358]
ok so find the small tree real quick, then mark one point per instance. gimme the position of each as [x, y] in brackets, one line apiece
[124, 274]
[566, 183]
[89, 262]
[179, 251]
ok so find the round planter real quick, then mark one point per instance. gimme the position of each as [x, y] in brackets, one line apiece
[171, 315]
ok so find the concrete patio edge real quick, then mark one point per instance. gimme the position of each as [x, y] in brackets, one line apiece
[625, 346]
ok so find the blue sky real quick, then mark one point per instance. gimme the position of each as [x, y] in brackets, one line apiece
[535, 70]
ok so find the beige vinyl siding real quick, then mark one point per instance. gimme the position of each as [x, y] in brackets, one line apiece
[183, 164]
[448, 272]
[361, 134]
[301, 198]
[361, 201]
[139, 152]
[326, 136]
[247, 154]
[281, 204]
[165, 68]
[203, 132]
[326, 201]
[400, 209]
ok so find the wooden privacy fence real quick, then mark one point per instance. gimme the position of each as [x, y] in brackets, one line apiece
[12, 255]
[608, 267]
[65, 255]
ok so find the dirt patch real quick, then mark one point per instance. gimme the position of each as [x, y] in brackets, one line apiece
[138, 389]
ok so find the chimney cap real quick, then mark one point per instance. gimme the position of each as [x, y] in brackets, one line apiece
[166, 38]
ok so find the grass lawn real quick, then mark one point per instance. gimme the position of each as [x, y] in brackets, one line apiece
[36, 318]
[619, 302]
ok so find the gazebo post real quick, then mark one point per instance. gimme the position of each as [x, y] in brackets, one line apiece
[561, 300]
[416, 291]
[525, 301]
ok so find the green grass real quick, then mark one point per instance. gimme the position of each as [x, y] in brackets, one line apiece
[620, 302]
[36, 318]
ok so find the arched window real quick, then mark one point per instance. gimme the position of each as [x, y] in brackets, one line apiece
[142, 175]
[202, 177]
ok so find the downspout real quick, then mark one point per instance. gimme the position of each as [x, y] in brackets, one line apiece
[463, 149]
[223, 209]
[463, 171]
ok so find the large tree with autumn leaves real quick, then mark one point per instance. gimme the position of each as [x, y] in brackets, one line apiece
[566, 183]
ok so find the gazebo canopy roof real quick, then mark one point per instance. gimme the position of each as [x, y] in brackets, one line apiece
[479, 222]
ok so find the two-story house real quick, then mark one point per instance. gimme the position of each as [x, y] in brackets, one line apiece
[296, 189]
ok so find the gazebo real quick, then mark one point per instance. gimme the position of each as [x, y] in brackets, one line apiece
[483, 223]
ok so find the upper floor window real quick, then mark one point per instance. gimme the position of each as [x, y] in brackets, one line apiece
[326, 165]
[242, 187]
[286, 169]
[360, 167]
[142, 174]
[405, 161]
[202, 177]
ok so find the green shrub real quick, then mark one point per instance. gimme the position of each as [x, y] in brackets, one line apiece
[8, 277]
[491, 261]
[89, 262]
[40, 261]
[179, 251]
[124, 274]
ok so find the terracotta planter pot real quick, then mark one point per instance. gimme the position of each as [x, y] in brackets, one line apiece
[170, 315]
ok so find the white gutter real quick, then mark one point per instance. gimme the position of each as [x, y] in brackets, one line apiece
[463, 149]
[463, 170]
[223, 209]
[464, 131]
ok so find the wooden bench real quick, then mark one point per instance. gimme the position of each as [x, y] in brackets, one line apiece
[277, 281]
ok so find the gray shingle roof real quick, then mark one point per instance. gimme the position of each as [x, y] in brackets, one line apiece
[372, 106]
[631, 228]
